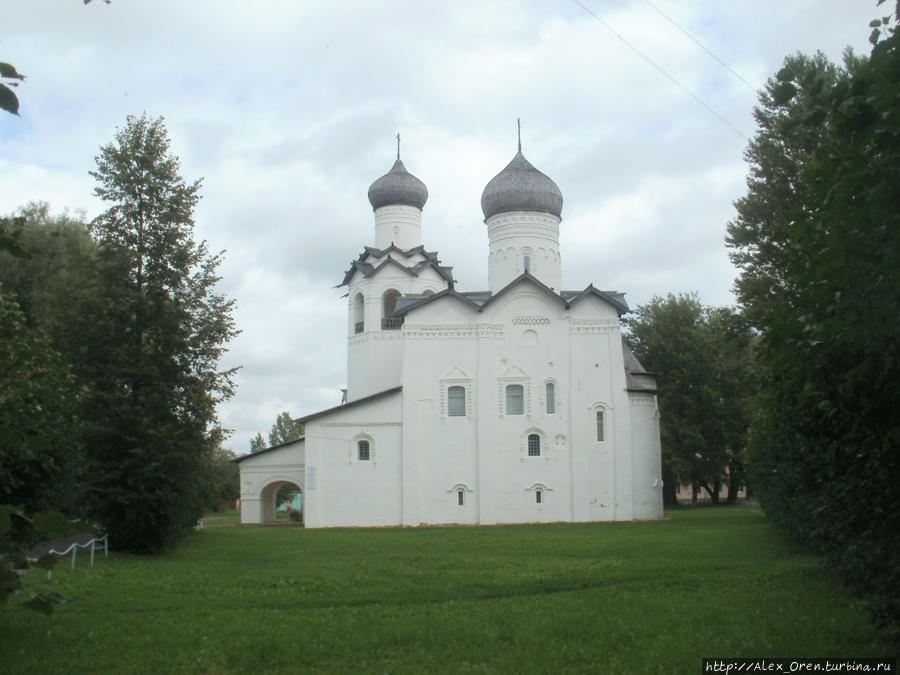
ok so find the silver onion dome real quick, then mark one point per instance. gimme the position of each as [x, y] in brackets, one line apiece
[521, 187]
[398, 186]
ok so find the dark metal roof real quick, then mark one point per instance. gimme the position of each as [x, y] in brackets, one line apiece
[368, 270]
[636, 376]
[238, 460]
[614, 298]
[478, 300]
[344, 406]
[398, 186]
[521, 187]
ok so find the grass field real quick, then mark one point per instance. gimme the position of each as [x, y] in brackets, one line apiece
[617, 598]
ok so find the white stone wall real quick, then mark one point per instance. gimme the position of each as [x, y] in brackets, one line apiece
[269, 468]
[342, 490]
[524, 337]
[398, 224]
[516, 235]
[374, 355]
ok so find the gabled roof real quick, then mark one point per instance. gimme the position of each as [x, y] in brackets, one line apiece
[636, 376]
[345, 406]
[478, 300]
[280, 446]
[614, 298]
[368, 270]
[525, 277]
[407, 303]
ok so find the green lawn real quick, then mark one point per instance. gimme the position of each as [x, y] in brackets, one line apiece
[617, 598]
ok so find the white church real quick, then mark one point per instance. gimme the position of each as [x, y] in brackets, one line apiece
[517, 404]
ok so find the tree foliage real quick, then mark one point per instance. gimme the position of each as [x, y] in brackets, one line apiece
[702, 356]
[9, 78]
[40, 452]
[257, 443]
[817, 241]
[284, 430]
[157, 334]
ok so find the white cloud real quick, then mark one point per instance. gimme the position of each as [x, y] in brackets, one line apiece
[289, 110]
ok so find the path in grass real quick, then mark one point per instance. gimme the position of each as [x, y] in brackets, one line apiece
[617, 597]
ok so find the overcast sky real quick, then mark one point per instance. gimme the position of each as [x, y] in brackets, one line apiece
[288, 110]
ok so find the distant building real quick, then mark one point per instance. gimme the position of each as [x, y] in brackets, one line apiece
[520, 403]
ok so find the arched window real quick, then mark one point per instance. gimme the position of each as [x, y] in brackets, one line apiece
[456, 401]
[357, 312]
[461, 497]
[534, 445]
[362, 451]
[600, 430]
[526, 263]
[515, 399]
[538, 496]
[390, 301]
[388, 306]
[550, 392]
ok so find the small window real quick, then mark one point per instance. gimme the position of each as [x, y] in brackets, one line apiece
[362, 448]
[599, 425]
[527, 263]
[456, 401]
[538, 496]
[551, 398]
[460, 497]
[534, 445]
[515, 399]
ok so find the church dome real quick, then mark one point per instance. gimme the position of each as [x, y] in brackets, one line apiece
[521, 187]
[398, 186]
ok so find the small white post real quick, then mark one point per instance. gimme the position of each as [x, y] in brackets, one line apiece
[74, 553]
[93, 543]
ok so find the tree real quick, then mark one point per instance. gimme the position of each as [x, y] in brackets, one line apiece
[817, 242]
[52, 276]
[40, 451]
[9, 77]
[257, 443]
[225, 479]
[159, 330]
[284, 430]
[702, 358]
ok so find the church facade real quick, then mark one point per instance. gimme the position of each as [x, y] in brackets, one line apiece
[516, 404]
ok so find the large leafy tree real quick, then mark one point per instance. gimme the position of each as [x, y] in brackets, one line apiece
[701, 356]
[817, 241]
[44, 280]
[158, 332]
[40, 452]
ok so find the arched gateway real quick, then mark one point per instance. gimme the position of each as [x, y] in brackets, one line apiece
[264, 473]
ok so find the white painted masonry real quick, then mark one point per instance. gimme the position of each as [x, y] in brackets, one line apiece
[447, 418]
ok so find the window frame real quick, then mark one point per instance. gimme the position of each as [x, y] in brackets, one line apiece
[600, 425]
[550, 406]
[456, 377]
[453, 407]
[359, 450]
[353, 448]
[534, 449]
[521, 398]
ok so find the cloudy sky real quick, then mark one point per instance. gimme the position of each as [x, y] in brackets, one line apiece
[288, 110]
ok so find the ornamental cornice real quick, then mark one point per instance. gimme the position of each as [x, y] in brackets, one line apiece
[647, 399]
[524, 228]
[454, 331]
[373, 335]
[526, 217]
[530, 321]
[593, 326]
